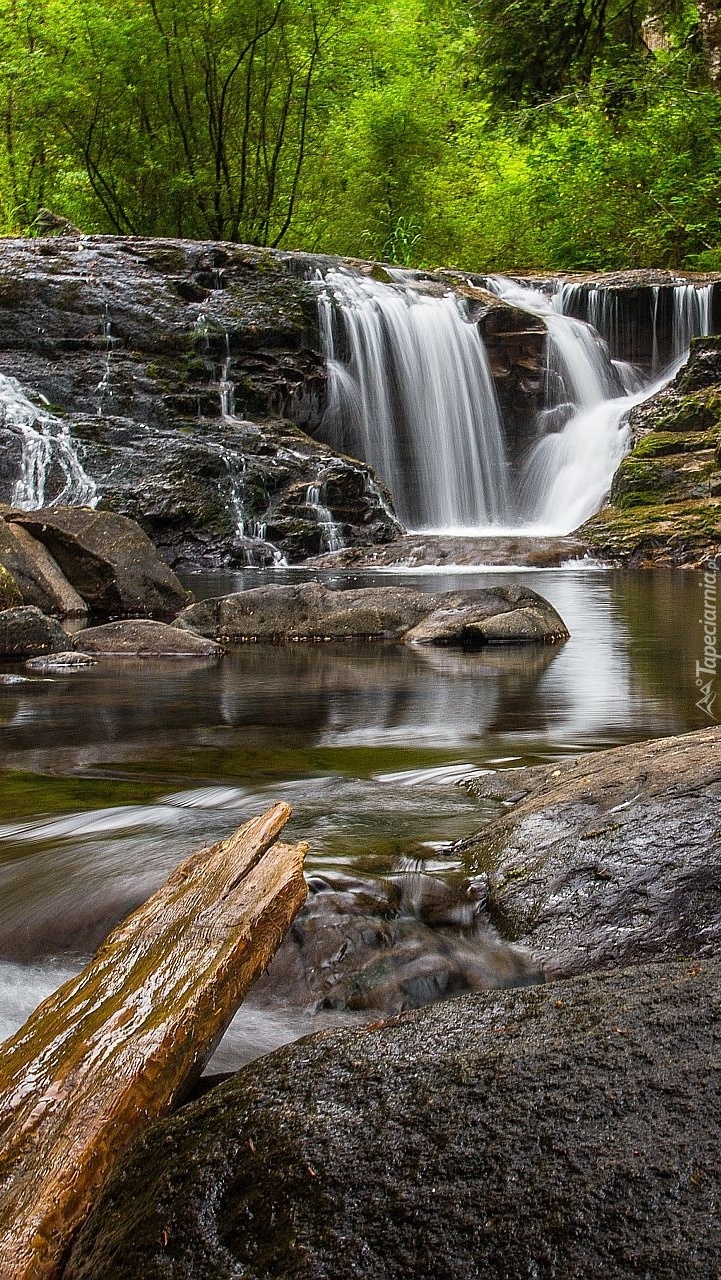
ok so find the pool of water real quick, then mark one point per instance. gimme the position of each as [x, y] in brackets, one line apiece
[112, 774]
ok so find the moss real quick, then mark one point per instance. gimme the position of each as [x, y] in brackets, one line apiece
[10, 595]
[661, 444]
[642, 482]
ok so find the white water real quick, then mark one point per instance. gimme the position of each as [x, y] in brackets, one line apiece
[331, 533]
[416, 400]
[47, 447]
[410, 391]
[583, 432]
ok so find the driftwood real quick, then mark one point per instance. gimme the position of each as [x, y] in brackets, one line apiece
[126, 1039]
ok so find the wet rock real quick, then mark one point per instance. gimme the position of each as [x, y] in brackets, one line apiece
[609, 859]
[25, 632]
[67, 660]
[417, 549]
[389, 945]
[310, 611]
[107, 558]
[141, 638]
[187, 374]
[665, 502]
[566, 1130]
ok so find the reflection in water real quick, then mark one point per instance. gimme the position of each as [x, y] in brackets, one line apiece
[114, 773]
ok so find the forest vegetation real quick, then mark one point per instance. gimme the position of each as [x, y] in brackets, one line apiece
[511, 135]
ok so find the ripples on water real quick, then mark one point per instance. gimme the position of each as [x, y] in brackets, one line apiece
[112, 774]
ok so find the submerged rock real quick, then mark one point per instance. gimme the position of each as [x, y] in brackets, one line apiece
[608, 859]
[310, 611]
[67, 660]
[388, 945]
[566, 1130]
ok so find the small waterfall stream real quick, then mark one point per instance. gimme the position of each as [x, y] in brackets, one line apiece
[410, 391]
[47, 448]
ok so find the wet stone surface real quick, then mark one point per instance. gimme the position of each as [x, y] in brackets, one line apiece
[310, 611]
[612, 858]
[187, 374]
[565, 1130]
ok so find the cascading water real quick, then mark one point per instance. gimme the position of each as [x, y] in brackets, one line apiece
[569, 471]
[47, 449]
[410, 391]
[415, 399]
[674, 314]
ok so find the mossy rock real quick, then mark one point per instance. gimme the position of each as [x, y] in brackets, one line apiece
[661, 444]
[643, 482]
[10, 596]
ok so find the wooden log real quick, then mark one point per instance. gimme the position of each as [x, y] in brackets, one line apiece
[126, 1039]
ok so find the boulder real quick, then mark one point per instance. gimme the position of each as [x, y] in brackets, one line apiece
[142, 638]
[109, 561]
[310, 611]
[608, 859]
[25, 632]
[9, 592]
[557, 1131]
[38, 575]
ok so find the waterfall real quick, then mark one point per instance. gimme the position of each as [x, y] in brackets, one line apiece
[410, 392]
[47, 450]
[582, 432]
[674, 314]
[691, 316]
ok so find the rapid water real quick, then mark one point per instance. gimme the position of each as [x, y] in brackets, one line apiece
[410, 391]
[415, 399]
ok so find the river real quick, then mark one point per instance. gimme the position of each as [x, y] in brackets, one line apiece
[112, 774]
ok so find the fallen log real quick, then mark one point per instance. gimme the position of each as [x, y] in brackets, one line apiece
[125, 1040]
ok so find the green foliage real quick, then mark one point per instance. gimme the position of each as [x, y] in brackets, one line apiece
[535, 134]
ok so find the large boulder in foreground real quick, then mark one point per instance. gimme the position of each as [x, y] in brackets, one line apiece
[310, 611]
[107, 559]
[611, 858]
[558, 1131]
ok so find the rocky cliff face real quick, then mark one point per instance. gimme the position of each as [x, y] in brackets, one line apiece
[188, 375]
[665, 503]
[183, 384]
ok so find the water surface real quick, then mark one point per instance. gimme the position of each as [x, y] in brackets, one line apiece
[112, 774]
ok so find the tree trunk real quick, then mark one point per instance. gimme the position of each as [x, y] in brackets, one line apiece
[124, 1041]
[710, 24]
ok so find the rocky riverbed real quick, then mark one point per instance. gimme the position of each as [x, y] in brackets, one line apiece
[567, 1128]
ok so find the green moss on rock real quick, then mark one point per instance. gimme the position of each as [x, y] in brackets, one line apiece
[10, 595]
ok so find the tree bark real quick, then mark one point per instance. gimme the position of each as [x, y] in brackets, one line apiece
[710, 25]
[124, 1041]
